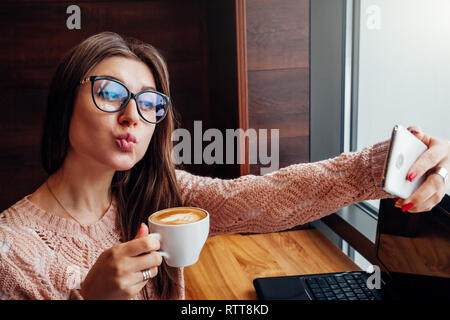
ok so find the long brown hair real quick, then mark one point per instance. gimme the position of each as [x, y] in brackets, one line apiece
[151, 184]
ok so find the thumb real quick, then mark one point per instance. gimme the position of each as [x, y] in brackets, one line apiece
[142, 232]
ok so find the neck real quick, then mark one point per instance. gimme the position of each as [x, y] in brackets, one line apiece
[83, 190]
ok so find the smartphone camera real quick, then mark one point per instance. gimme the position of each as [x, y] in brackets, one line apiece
[400, 160]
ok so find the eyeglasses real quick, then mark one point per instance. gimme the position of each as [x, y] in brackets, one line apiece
[111, 95]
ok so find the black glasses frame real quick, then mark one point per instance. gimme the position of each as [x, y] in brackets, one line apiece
[131, 95]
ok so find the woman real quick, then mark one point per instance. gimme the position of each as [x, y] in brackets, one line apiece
[81, 235]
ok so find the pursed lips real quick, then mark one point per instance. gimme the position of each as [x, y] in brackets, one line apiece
[126, 141]
[129, 137]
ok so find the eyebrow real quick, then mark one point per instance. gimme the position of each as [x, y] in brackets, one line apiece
[142, 88]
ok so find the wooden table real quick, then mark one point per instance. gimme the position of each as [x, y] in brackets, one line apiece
[229, 263]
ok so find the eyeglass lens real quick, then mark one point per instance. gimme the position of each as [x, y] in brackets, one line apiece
[110, 96]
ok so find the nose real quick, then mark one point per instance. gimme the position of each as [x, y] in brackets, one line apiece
[129, 115]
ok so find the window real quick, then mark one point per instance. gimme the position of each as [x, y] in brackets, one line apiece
[375, 63]
[402, 67]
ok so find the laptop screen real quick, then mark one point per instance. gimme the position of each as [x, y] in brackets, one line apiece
[414, 248]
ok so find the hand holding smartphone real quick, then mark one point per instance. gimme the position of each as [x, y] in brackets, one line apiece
[404, 150]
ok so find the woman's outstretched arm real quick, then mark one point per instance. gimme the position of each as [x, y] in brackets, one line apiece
[291, 196]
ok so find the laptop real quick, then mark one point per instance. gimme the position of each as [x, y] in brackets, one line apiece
[413, 262]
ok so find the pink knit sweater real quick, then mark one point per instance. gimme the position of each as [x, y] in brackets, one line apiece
[43, 256]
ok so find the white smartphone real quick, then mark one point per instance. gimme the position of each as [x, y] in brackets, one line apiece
[404, 150]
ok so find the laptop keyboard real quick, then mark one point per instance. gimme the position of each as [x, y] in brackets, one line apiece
[342, 287]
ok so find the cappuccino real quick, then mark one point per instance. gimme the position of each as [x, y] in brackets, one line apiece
[178, 216]
[182, 232]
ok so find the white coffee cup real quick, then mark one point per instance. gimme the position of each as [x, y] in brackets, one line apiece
[182, 241]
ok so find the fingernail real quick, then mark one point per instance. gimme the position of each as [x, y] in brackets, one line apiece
[140, 230]
[408, 206]
[412, 176]
[414, 132]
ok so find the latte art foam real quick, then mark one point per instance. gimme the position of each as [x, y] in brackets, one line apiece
[180, 218]
[177, 216]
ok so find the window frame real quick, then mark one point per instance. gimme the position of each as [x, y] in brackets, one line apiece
[334, 50]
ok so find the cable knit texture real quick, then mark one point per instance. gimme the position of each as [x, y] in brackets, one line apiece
[43, 256]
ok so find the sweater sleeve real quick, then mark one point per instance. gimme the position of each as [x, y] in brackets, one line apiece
[291, 196]
[11, 277]
[16, 283]
[20, 278]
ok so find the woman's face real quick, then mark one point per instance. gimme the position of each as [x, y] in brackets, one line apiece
[94, 134]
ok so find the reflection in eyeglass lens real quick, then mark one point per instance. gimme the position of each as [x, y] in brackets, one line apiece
[109, 95]
[152, 105]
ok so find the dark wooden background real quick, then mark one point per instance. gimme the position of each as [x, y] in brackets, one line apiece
[198, 40]
[278, 74]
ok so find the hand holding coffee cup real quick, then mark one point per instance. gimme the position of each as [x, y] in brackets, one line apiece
[182, 232]
[118, 271]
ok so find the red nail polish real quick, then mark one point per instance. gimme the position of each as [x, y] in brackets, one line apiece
[408, 206]
[412, 176]
[414, 132]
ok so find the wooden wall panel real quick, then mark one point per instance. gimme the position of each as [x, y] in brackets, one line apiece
[278, 74]
[278, 34]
